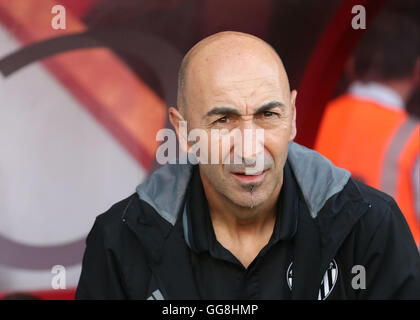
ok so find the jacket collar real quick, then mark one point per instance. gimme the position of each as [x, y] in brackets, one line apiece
[317, 177]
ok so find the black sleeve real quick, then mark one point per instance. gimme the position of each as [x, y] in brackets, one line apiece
[100, 276]
[392, 260]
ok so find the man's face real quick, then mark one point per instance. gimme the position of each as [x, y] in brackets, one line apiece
[247, 94]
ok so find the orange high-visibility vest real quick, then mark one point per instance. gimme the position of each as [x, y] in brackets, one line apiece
[378, 145]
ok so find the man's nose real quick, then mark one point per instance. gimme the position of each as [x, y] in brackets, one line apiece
[249, 142]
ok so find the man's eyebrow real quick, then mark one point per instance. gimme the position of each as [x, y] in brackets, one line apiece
[226, 110]
[269, 106]
[222, 110]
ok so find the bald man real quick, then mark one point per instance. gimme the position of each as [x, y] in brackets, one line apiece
[294, 227]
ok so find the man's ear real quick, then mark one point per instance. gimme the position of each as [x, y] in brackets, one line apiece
[180, 125]
[293, 132]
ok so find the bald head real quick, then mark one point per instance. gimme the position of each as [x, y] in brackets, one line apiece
[226, 55]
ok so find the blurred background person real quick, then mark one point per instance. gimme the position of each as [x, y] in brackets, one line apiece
[368, 130]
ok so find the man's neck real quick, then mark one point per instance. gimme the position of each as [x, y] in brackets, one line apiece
[244, 231]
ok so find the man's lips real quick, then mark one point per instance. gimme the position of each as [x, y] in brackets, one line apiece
[243, 178]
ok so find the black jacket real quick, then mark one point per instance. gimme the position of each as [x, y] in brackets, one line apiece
[140, 245]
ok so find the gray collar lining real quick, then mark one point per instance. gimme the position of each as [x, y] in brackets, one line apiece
[316, 176]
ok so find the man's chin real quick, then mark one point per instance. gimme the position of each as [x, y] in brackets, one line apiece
[244, 199]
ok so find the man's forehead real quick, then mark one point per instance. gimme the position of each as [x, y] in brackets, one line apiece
[249, 79]
[247, 89]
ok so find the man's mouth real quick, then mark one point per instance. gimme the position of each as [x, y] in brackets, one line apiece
[247, 178]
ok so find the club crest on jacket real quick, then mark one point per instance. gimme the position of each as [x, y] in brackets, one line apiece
[327, 283]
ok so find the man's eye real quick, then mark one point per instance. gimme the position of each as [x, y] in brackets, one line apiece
[268, 114]
[224, 119]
